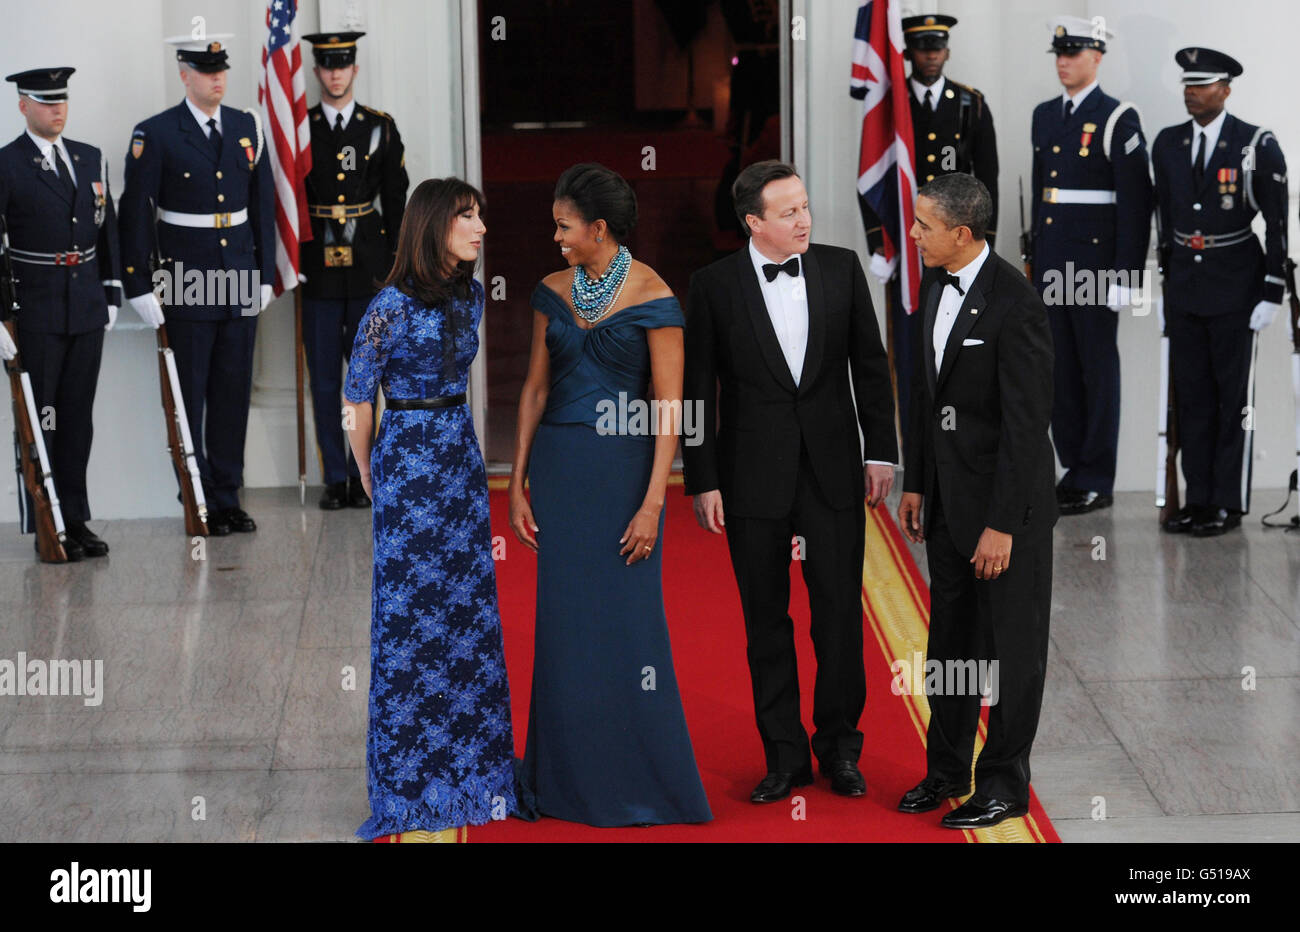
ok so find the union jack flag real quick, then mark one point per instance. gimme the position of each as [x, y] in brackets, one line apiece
[886, 161]
[282, 95]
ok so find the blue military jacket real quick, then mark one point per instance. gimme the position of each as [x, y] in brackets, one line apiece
[171, 165]
[1068, 154]
[1213, 280]
[70, 294]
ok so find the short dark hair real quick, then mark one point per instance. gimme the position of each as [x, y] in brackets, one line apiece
[420, 266]
[599, 193]
[962, 200]
[747, 190]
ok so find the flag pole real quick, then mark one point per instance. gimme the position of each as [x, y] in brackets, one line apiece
[297, 366]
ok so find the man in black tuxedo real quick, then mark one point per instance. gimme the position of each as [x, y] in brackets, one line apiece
[787, 331]
[980, 465]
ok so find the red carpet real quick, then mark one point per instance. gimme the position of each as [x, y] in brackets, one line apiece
[708, 641]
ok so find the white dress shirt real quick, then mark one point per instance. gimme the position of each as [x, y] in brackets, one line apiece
[1211, 133]
[1077, 98]
[331, 113]
[48, 159]
[203, 117]
[950, 303]
[935, 89]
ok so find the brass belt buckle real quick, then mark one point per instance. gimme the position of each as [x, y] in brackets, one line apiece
[338, 257]
[221, 221]
[339, 212]
[1049, 195]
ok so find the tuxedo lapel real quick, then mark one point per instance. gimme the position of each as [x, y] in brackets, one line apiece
[972, 306]
[756, 309]
[816, 303]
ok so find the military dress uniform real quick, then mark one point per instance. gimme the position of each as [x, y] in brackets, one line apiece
[203, 198]
[64, 249]
[1217, 276]
[1092, 203]
[952, 132]
[356, 194]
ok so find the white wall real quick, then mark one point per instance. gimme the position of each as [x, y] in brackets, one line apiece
[410, 65]
[999, 46]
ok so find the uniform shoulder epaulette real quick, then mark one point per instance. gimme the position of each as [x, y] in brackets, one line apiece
[376, 112]
[973, 90]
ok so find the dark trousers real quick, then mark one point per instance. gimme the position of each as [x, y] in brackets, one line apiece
[328, 328]
[214, 360]
[904, 337]
[64, 370]
[1210, 360]
[1004, 619]
[832, 550]
[1085, 403]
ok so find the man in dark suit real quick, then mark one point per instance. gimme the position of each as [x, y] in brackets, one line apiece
[1091, 228]
[63, 243]
[356, 193]
[952, 131]
[979, 465]
[199, 190]
[787, 332]
[1222, 287]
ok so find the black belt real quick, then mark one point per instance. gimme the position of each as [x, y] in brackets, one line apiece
[423, 404]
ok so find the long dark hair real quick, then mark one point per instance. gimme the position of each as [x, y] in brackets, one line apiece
[419, 270]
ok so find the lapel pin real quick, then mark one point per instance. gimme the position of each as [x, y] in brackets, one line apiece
[974, 310]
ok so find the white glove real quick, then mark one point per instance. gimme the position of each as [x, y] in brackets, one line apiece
[1263, 314]
[1118, 296]
[882, 268]
[7, 348]
[1160, 312]
[112, 317]
[150, 311]
[268, 294]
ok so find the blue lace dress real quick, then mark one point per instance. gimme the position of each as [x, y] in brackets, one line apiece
[439, 746]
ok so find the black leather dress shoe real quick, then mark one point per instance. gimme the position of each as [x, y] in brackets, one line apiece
[846, 778]
[982, 812]
[777, 785]
[1063, 494]
[335, 496]
[1082, 502]
[240, 521]
[92, 545]
[1184, 521]
[218, 524]
[1215, 522]
[357, 497]
[71, 549]
[929, 794]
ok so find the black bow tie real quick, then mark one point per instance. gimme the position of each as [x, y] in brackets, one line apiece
[946, 279]
[789, 267]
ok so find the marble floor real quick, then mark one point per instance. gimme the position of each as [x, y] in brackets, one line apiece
[237, 706]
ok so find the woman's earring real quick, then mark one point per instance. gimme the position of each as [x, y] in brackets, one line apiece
[599, 238]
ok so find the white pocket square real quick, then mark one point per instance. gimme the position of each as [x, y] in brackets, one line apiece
[972, 342]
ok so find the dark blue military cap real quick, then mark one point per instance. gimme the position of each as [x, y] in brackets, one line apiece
[927, 32]
[1206, 66]
[207, 54]
[43, 85]
[334, 49]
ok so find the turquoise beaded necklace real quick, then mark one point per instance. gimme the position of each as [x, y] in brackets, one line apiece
[593, 299]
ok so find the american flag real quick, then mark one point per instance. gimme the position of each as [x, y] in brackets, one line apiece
[886, 162]
[282, 95]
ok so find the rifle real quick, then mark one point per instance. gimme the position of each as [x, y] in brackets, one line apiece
[179, 442]
[1025, 248]
[1167, 497]
[1294, 300]
[33, 463]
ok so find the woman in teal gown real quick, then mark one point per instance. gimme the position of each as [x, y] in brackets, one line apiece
[607, 739]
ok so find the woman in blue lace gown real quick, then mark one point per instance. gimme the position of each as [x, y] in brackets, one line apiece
[439, 746]
[607, 740]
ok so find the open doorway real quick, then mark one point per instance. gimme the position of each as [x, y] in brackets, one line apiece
[675, 95]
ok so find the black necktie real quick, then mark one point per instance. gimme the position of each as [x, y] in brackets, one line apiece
[1069, 108]
[946, 279]
[1198, 169]
[338, 122]
[65, 176]
[929, 99]
[214, 137]
[789, 267]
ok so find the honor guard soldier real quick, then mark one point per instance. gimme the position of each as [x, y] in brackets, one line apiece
[952, 130]
[356, 194]
[1213, 174]
[199, 198]
[1092, 202]
[64, 251]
